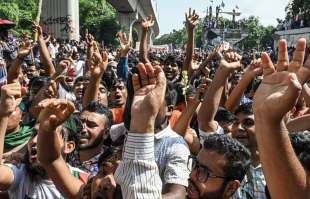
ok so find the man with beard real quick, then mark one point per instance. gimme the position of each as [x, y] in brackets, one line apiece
[96, 120]
[30, 180]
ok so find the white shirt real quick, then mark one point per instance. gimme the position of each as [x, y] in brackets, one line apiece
[52, 50]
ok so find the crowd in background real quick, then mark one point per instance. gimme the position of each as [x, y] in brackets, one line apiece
[79, 120]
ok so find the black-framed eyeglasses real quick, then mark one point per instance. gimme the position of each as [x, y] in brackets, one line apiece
[203, 173]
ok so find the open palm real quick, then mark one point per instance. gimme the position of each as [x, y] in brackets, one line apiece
[282, 84]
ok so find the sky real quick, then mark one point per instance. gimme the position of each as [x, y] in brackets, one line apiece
[172, 12]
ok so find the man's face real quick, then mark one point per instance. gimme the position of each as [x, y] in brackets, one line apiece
[79, 88]
[171, 70]
[70, 77]
[32, 145]
[244, 130]
[94, 129]
[212, 187]
[32, 72]
[119, 95]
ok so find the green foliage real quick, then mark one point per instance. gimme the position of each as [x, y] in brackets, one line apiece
[300, 8]
[9, 11]
[22, 12]
[256, 32]
[99, 18]
[176, 37]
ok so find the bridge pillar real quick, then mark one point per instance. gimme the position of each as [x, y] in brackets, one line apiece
[61, 18]
[127, 19]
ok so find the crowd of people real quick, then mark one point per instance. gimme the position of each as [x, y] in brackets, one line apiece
[79, 121]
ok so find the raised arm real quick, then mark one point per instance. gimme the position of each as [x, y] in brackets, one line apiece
[182, 126]
[146, 24]
[286, 178]
[54, 112]
[8, 104]
[122, 66]
[191, 22]
[97, 68]
[44, 53]
[212, 99]
[15, 68]
[251, 72]
[90, 49]
[138, 173]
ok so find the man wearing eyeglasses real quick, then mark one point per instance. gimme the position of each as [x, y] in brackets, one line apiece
[218, 169]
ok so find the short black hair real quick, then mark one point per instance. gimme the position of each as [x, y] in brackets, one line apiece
[245, 108]
[96, 107]
[236, 155]
[223, 115]
[39, 82]
[70, 132]
[81, 79]
[301, 144]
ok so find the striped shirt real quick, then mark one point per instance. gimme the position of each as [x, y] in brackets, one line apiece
[138, 173]
[253, 185]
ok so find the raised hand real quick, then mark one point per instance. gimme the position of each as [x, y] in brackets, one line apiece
[99, 64]
[281, 86]
[53, 113]
[10, 98]
[202, 88]
[89, 38]
[147, 23]
[191, 19]
[124, 43]
[254, 69]
[231, 61]
[148, 97]
[37, 29]
[217, 53]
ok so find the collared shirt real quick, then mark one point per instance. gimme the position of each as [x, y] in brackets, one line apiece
[137, 174]
[91, 166]
[253, 185]
[149, 162]
[171, 154]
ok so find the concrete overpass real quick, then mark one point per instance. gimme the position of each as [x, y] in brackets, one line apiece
[131, 10]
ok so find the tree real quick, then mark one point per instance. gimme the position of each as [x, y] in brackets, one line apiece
[99, 18]
[9, 11]
[256, 32]
[300, 8]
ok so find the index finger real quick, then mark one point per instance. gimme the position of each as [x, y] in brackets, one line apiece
[299, 56]
[282, 56]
